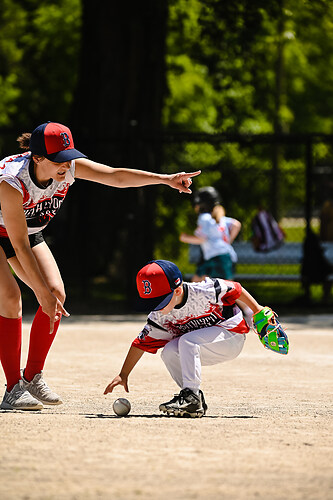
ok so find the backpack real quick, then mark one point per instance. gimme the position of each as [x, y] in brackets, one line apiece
[267, 234]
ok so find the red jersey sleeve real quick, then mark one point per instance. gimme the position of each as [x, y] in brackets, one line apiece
[232, 294]
[149, 344]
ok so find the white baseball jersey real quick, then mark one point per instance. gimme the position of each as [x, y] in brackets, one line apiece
[209, 229]
[225, 224]
[40, 204]
[207, 303]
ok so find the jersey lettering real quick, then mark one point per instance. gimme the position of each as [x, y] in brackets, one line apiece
[39, 205]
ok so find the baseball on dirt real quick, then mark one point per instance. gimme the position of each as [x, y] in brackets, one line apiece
[121, 407]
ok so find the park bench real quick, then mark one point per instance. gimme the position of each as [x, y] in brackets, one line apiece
[288, 253]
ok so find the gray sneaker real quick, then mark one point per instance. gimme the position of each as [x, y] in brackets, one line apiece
[40, 390]
[20, 399]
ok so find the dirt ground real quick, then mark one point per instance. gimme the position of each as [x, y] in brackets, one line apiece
[267, 433]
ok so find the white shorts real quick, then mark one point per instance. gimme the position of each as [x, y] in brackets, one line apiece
[184, 356]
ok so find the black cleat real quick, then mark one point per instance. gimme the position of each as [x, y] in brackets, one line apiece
[186, 404]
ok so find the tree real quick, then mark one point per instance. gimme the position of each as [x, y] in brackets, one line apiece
[194, 65]
[39, 44]
[247, 67]
[117, 119]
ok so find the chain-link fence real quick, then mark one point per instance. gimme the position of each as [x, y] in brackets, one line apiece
[290, 176]
[287, 176]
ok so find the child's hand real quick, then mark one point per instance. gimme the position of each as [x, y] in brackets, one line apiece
[118, 380]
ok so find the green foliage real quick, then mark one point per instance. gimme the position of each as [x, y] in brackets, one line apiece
[12, 21]
[223, 65]
[246, 67]
[39, 46]
[250, 67]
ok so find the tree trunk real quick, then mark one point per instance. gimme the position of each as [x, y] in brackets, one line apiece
[117, 121]
[278, 126]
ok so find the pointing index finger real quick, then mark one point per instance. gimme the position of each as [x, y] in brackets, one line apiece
[193, 174]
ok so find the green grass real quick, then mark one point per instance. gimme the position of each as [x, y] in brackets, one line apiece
[296, 234]
[269, 269]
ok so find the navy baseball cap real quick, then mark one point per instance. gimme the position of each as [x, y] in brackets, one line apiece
[55, 142]
[156, 282]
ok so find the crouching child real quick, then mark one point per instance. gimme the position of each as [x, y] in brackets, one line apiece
[195, 325]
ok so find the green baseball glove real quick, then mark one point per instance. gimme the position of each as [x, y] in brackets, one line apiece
[271, 334]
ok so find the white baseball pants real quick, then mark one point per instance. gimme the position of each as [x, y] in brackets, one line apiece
[184, 356]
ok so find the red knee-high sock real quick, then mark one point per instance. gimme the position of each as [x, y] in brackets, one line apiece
[10, 349]
[40, 343]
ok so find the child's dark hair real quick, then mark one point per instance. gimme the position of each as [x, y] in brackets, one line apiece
[24, 141]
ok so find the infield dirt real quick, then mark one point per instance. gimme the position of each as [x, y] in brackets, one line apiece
[267, 434]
